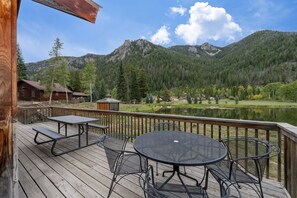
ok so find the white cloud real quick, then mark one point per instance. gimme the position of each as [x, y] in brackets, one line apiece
[161, 36]
[207, 23]
[178, 10]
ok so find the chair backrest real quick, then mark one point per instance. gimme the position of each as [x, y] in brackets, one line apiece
[166, 126]
[147, 183]
[250, 153]
[114, 147]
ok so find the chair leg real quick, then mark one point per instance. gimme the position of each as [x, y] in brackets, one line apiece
[111, 185]
[185, 170]
[157, 172]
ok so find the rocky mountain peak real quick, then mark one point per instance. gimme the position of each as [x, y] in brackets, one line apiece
[209, 49]
[139, 46]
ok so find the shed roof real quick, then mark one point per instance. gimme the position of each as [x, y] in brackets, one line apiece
[37, 85]
[79, 94]
[108, 100]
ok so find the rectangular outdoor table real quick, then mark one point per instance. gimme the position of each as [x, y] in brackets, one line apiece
[82, 123]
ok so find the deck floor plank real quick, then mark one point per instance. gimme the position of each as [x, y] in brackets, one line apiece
[30, 187]
[56, 164]
[85, 172]
[55, 178]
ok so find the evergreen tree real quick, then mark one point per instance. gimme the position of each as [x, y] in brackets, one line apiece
[165, 94]
[135, 93]
[89, 78]
[143, 84]
[189, 99]
[75, 83]
[102, 91]
[121, 85]
[22, 70]
[49, 77]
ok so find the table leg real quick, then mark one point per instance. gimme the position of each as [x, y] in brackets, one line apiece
[179, 175]
[87, 134]
[59, 127]
[79, 136]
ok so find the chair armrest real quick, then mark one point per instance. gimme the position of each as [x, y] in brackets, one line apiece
[127, 153]
[100, 139]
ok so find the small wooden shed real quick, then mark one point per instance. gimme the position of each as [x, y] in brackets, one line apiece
[108, 103]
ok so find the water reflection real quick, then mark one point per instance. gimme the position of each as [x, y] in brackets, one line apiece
[288, 115]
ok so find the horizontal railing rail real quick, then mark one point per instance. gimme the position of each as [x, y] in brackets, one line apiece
[281, 167]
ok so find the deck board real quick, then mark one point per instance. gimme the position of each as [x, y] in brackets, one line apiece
[85, 172]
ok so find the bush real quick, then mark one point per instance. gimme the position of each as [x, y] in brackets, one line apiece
[257, 97]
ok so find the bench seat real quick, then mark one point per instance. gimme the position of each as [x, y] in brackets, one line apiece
[103, 127]
[54, 136]
[48, 133]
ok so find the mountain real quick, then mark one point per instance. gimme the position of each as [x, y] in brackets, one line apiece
[205, 50]
[260, 58]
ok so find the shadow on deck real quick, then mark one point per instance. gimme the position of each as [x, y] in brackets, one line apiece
[85, 172]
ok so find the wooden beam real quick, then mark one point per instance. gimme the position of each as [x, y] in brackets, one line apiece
[8, 74]
[8, 96]
[84, 9]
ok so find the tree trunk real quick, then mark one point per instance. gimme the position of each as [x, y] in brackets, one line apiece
[51, 94]
[91, 93]
[66, 93]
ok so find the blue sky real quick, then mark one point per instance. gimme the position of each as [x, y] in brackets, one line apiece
[163, 22]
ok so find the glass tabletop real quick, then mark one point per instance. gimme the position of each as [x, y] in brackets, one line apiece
[180, 148]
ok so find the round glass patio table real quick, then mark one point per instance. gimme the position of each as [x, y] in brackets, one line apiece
[179, 149]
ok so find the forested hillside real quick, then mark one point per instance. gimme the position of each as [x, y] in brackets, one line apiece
[259, 59]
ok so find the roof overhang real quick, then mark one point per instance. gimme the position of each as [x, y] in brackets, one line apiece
[84, 9]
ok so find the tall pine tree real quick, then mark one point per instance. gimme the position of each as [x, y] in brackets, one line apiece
[102, 91]
[52, 73]
[143, 85]
[22, 70]
[121, 85]
[135, 93]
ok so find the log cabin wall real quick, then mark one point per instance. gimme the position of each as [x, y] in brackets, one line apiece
[8, 96]
[29, 93]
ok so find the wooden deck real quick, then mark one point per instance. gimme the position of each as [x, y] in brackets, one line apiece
[85, 172]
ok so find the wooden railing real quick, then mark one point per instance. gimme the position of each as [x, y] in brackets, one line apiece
[281, 168]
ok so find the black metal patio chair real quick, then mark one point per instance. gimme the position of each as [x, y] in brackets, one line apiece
[121, 162]
[166, 126]
[245, 163]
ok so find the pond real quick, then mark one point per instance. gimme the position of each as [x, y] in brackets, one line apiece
[288, 115]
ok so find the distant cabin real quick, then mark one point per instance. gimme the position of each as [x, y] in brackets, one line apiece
[33, 91]
[79, 97]
[108, 103]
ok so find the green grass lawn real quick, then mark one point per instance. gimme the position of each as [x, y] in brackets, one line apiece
[183, 104]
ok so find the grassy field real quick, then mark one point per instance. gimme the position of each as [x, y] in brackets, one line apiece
[183, 104]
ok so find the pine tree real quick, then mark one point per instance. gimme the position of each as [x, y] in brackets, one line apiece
[143, 84]
[22, 70]
[49, 77]
[75, 83]
[102, 91]
[135, 92]
[121, 85]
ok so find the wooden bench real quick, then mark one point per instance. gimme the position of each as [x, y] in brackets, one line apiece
[98, 126]
[54, 136]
